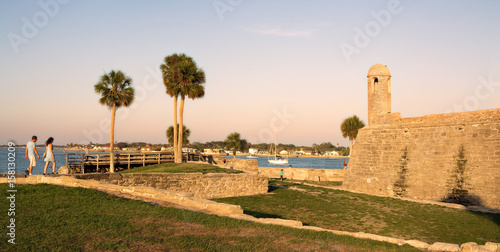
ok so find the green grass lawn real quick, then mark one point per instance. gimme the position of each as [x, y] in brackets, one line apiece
[54, 218]
[341, 210]
[321, 183]
[180, 168]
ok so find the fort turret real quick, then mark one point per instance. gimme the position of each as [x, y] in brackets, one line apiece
[379, 92]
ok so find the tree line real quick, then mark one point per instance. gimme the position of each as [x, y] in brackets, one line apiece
[315, 148]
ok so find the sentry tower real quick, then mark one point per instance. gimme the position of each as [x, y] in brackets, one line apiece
[379, 92]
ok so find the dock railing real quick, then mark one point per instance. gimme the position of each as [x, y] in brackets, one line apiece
[82, 163]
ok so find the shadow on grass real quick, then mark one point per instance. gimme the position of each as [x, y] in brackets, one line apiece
[464, 199]
[474, 205]
[273, 187]
[262, 215]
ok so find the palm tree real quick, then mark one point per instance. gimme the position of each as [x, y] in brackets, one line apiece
[350, 127]
[182, 78]
[185, 134]
[234, 142]
[116, 91]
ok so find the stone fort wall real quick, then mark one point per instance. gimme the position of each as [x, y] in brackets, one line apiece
[306, 174]
[207, 186]
[418, 157]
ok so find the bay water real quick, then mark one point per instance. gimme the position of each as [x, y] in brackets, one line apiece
[60, 156]
[301, 162]
[21, 163]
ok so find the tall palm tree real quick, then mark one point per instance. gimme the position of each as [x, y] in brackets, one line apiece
[185, 134]
[350, 127]
[116, 91]
[234, 142]
[182, 78]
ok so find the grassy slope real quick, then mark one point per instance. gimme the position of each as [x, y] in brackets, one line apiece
[53, 218]
[341, 210]
[180, 168]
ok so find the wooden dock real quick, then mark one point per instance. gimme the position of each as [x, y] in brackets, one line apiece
[85, 163]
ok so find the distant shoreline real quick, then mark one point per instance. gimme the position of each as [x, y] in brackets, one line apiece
[292, 156]
[63, 148]
[38, 146]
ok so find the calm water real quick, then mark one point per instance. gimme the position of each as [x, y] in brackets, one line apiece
[314, 163]
[22, 164]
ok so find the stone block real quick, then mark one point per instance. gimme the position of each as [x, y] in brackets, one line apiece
[379, 238]
[281, 222]
[469, 247]
[196, 203]
[63, 170]
[224, 209]
[492, 246]
[111, 188]
[418, 244]
[473, 247]
[444, 247]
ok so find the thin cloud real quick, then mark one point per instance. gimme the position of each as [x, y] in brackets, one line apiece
[297, 33]
[284, 33]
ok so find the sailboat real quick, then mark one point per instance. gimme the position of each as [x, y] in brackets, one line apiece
[277, 159]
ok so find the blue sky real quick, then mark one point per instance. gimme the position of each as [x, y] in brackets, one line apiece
[267, 63]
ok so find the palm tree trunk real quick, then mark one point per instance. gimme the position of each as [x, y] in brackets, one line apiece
[112, 141]
[175, 130]
[181, 126]
[350, 147]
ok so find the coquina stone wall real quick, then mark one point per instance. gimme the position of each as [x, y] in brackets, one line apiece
[304, 173]
[212, 185]
[245, 165]
[434, 157]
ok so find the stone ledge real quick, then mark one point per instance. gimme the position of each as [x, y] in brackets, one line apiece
[444, 247]
[418, 244]
[473, 247]
[380, 238]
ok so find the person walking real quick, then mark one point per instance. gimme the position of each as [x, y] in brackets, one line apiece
[30, 152]
[345, 165]
[281, 175]
[49, 156]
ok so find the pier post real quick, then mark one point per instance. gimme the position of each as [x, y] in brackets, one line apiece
[82, 160]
